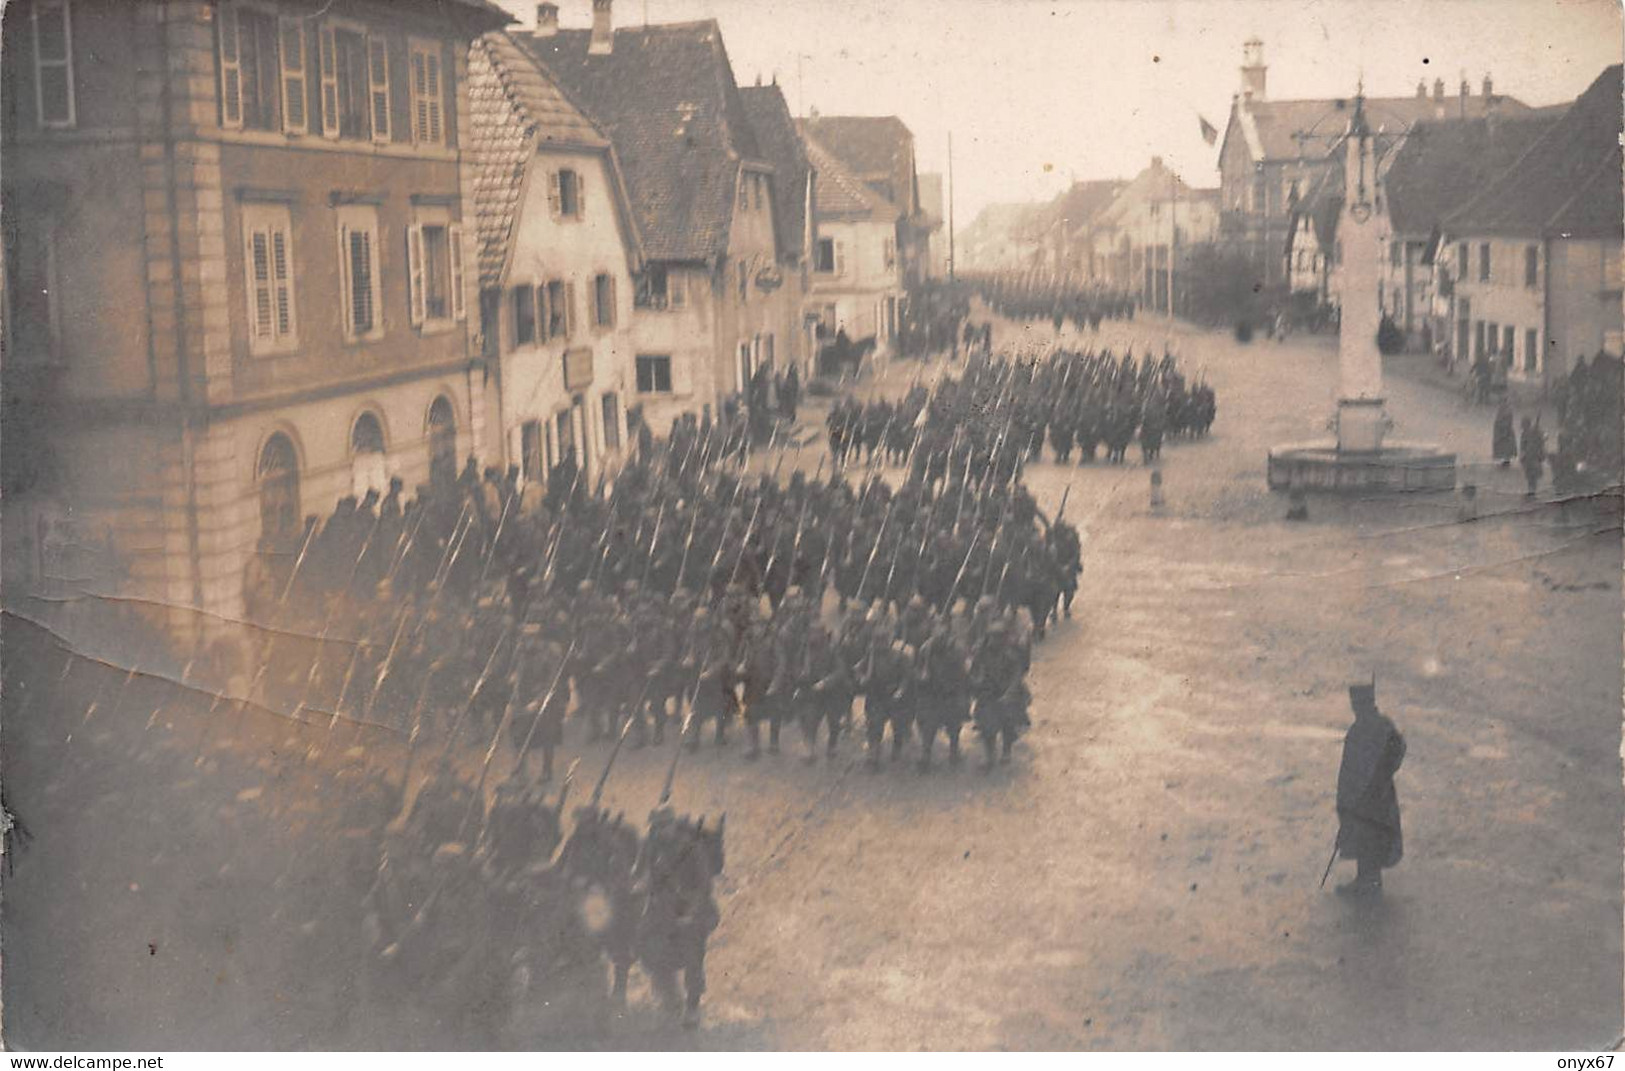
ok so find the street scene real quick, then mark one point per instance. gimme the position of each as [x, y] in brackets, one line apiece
[558, 547]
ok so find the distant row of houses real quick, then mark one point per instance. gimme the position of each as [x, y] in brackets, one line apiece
[1124, 235]
[263, 254]
[1502, 223]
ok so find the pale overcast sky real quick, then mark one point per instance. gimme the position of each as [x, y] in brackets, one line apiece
[1038, 93]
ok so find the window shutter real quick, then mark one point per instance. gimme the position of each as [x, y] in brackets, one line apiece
[436, 98]
[554, 201]
[258, 259]
[840, 257]
[543, 326]
[614, 302]
[53, 63]
[294, 98]
[414, 271]
[231, 70]
[569, 309]
[581, 195]
[328, 65]
[378, 86]
[454, 240]
[282, 282]
[346, 282]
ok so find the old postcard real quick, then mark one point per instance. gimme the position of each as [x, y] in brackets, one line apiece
[811, 525]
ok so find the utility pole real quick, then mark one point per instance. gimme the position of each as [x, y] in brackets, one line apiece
[1173, 235]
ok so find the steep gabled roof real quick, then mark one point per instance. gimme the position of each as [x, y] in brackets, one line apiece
[1272, 128]
[879, 149]
[1566, 183]
[513, 108]
[666, 96]
[776, 135]
[1441, 165]
[838, 194]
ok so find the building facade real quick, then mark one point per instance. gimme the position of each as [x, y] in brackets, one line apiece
[710, 304]
[557, 259]
[238, 280]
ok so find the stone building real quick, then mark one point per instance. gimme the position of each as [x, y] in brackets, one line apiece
[240, 282]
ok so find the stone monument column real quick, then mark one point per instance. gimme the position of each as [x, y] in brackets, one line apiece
[1360, 416]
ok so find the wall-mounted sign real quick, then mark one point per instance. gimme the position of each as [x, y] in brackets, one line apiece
[577, 369]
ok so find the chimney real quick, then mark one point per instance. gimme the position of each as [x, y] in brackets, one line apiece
[603, 29]
[1489, 87]
[1438, 90]
[547, 20]
[1253, 70]
[1422, 90]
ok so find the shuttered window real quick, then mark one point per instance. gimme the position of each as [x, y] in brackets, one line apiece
[428, 99]
[358, 275]
[268, 262]
[434, 253]
[53, 64]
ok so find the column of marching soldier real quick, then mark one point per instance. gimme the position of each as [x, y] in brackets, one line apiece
[688, 591]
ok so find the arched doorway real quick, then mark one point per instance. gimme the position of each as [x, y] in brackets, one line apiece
[278, 476]
[368, 469]
[442, 443]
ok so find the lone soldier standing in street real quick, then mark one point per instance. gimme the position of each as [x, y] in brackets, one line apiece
[1367, 806]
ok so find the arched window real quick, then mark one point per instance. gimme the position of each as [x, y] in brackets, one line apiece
[278, 475]
[368, 469]
[442, 443]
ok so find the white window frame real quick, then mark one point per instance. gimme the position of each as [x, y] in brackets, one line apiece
[351, 219]
[270, 220]
[65, 64]
[428, 101]
[417, 277]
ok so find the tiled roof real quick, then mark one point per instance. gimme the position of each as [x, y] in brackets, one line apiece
[838, 194]
[879, 149]
[776, 135]
[1566, 183]
[1443, 164]
[514, 107]
[1272, 126]
[666, 96]
[1079, 204]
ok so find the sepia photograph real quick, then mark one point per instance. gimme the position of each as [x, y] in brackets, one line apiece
[811, 526]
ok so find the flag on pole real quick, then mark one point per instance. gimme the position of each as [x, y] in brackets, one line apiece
[1210, 133]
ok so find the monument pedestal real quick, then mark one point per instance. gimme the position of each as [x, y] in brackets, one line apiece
[1359, 459]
